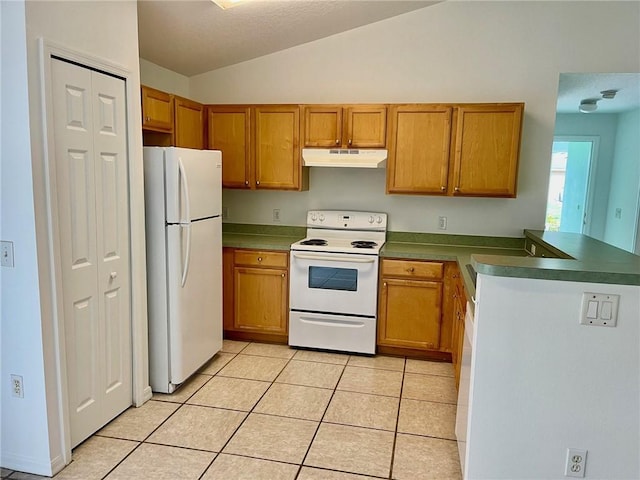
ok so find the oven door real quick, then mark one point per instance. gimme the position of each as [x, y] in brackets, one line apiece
[334, 283]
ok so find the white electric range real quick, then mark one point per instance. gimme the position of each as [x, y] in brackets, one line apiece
[334, 281]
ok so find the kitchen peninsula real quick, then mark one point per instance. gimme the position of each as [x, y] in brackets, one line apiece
[536, 370]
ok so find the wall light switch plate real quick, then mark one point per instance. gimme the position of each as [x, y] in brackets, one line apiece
[6, 254]
[599, 309]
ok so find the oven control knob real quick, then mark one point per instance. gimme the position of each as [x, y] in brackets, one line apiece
[321, 217]
[379, 219]
[371, 219]
[314, 217]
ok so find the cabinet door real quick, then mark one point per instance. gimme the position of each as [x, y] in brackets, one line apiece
[410, 312]
[260, 298]
[366, 126]
[157, 110]
[277, 147]
[229, 131]
[189, 123]
[322, 126]
[419, 142]
[487, 150]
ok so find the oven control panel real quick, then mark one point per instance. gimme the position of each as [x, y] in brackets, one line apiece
[348, 220]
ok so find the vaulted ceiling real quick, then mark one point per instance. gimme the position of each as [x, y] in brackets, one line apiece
[192, 37]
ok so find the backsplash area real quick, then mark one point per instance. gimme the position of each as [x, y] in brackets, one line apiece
[360, 189]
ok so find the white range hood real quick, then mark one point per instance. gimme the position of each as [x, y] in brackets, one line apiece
[344, 158]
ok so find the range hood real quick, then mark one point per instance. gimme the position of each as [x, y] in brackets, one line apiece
[344, 158]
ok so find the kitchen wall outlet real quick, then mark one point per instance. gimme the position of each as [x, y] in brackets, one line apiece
[442, 223]
[6, 254]
[276, 214]
[225, 213]
[618, 213]
[576, 462]
[16, 386]
[599, 309]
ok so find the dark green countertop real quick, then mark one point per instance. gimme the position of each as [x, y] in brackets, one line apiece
[264, 237]
[593, 261]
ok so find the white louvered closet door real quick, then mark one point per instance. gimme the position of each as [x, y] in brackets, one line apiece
[89, 113]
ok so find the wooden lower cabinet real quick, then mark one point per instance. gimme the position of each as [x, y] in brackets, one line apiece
[256, 295]
[410, 309]
[457, 337]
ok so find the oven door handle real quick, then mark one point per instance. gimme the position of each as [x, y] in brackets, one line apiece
[333, 258]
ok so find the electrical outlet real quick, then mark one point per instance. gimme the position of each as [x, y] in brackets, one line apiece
[6, 254]
[276, 214]
[16, 386]
[576, 462]
[442, 223]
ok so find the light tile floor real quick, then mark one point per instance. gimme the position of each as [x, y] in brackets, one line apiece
[259, 411]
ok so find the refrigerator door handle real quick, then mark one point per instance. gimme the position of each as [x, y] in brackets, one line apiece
[185, 189]
[187, 256]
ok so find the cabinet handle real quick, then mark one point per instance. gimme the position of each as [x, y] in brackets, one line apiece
[283, 275]
[258, 182]
[410, 269]
[259, 259]
[443, 188]
[349, 142]
[246, 182]
[457, 189]
[337, 141]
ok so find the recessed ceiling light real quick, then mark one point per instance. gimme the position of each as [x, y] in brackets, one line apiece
[225, 4]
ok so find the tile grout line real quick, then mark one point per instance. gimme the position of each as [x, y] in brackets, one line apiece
[273, 382]
[395, 433]
[247, 413]
[344, 367]
[181, 404]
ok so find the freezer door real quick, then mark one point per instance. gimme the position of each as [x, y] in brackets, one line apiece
[195, 308]
[193, 181]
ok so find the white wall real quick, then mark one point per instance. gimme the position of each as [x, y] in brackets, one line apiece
[155, 76]
[24, 438]
[449, 52]
[625, 183]
[604, 127]
[543, 383]
[32, 439]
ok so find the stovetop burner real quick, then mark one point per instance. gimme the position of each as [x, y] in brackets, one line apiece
[314, 241]
[363, 244]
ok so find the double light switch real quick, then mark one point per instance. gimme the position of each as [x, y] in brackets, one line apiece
[599, 309]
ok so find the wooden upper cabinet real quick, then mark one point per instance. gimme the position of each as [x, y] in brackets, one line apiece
[366, 126]
[229, 130]
[322, 126]
[355, 126]
[189, 123]
[157, 110]
[277, 147]
[419, 142]
[487, 147]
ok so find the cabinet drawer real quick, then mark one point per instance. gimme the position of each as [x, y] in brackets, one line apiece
[412, 269]
[261, 258]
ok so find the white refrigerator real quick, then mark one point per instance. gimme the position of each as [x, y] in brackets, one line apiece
[183, 203]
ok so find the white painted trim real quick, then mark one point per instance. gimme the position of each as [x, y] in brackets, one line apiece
[21, 463]
[140, 383]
